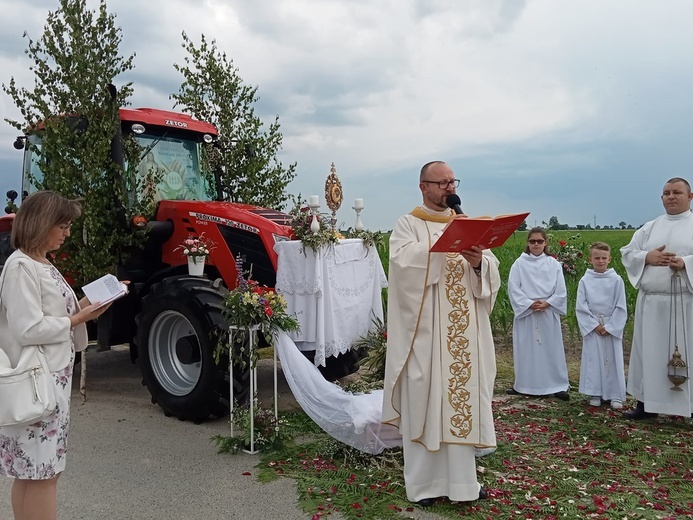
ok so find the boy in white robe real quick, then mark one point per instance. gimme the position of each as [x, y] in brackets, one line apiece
[601, 314]
[537, 293]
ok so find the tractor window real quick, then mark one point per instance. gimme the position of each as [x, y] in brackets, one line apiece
[173, 165]
[31, 167]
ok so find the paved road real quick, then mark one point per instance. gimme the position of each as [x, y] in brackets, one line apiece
[127, 461]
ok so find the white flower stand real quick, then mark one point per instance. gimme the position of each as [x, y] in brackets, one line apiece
[253, 383]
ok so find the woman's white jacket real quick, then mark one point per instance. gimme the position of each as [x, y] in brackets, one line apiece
[33, 312]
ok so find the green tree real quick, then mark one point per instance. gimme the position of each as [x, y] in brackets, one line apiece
[523, 226]
[246, 156]
[74, 62]
[553, 223]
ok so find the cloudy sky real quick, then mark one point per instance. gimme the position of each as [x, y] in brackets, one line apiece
[578, 109]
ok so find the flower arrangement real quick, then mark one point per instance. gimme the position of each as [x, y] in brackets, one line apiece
[195, 248]
[302, 218]
[270, 433]
[570, 255]
[249, 305]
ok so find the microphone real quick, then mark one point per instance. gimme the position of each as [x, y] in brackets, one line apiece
[453, 201]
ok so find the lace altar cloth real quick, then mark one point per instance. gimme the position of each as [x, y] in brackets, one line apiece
[353, 419]
[334, 292]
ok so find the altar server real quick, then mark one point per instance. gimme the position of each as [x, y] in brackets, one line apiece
[441, 362]
[659, 249]
[537, 293]
[601, 314]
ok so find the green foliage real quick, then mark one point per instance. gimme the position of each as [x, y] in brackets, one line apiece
[74, 61]
[270, 432]
[375, 346]
[246, 156]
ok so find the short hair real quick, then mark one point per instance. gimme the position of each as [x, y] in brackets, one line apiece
[679, 179]
[426, 167]
[539, 231]
[600, 246]
[39, 213]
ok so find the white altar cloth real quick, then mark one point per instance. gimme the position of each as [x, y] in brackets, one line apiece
[334, 292]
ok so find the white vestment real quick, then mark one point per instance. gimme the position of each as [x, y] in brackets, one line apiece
[538, 352]
[651, 349]
[440, 366]
[601, 300]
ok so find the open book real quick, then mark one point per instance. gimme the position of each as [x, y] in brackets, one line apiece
[462, 233]
[104, 290]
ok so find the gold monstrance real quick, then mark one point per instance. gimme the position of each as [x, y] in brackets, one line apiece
[333, 194]
[677, 369]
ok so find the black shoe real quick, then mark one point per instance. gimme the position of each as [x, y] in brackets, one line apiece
[512, 391]
[426, 502]
[638, 413]
[563, 396]
[483, 494]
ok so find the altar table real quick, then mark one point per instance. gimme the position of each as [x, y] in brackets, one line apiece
[334, 292]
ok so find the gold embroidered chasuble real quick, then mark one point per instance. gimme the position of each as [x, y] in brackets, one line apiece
[441, 362]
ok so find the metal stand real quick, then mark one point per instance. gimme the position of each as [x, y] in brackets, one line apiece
[252, 336]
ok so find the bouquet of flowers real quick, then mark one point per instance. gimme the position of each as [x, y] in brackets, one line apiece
[195, 247]
[249, 305]
[570, 255]
[302, 218]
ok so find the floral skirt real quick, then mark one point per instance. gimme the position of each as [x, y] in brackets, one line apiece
[37, 451]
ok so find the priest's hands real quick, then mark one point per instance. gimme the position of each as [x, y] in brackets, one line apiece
[473, 256]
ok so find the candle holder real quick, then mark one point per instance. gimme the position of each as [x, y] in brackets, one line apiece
[358, 207]
[314, 205]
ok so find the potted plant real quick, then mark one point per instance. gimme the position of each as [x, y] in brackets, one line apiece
[196, 249]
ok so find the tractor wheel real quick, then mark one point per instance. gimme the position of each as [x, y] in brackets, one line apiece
[177, 332]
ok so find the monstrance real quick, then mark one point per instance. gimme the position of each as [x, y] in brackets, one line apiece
[677, 369]
[333, 194]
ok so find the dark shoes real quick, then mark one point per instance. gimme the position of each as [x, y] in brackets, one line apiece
[563, 396]
[512, 391]
[638, 413]
[428, 502]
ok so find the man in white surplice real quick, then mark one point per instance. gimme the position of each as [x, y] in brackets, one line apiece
[658, 249]
[441, 364]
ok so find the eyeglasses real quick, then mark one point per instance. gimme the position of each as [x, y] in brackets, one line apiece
[536, 241]
[444, 184]
[65, 227]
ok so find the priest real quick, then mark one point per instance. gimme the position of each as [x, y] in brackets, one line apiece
[659, 249]
[441, 364]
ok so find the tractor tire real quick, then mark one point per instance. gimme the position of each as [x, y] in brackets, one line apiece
[177, 331]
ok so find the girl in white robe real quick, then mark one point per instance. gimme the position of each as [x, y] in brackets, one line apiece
[601, 314]
[537, 293]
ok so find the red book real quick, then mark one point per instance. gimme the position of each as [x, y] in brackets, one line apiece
[487, 232]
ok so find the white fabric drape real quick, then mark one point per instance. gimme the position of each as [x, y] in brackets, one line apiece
[354, 419]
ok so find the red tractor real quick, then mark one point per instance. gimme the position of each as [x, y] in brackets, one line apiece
[172, 320]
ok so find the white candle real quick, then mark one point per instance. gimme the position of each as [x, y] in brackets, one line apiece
[358, 204]
[314, 201]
